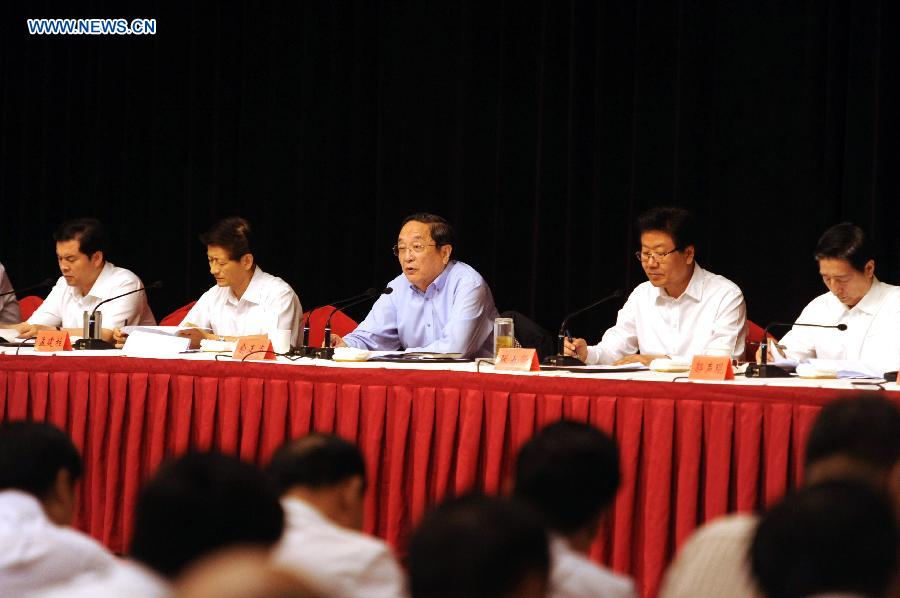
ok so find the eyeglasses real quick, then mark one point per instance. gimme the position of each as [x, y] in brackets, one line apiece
[416, 248]
[644, 256]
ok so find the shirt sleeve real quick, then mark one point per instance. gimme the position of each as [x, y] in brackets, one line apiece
[125, 310]
[288, 311]
[9, 306]
[621, 339]
[383, 577]
[730, 325]
[378, 332]
[464, 331]
[49, 313]
[800, 341]
[199, 313]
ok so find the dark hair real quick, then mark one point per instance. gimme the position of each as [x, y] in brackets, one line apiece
[200, 503]
[31, 456]
[88, 232]
[676, 222]
[476, 546]
[837, 536]
[865, 428]
[315, 461]
[569, 471]
[441, 231]
[231, 234]
[845, 241]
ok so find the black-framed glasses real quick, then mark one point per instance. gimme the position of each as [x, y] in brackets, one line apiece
[645, 256]
[416, 248]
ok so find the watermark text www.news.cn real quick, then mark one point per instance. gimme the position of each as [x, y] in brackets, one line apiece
[91, 26]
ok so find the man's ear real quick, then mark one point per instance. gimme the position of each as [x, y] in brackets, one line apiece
[869, 269]
[246, 261]
[97, 258]
[59, 503]
[446, 250]
[688, 254]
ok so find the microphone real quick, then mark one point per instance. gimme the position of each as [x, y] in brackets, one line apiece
[369, 294]
[47, 282]
[567, 360]
[340, 303]
[766, 370]
[91, 339]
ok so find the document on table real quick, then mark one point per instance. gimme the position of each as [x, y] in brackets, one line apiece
[844, 368]
[166, 330]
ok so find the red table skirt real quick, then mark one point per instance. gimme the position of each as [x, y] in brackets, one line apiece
[689, 451]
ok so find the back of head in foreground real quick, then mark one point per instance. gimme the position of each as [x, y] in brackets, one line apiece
[475, 547]
[839, 536]
[200, 503]
[39, 459]
[569, 471]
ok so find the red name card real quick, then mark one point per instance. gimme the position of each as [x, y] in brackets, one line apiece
[517, 360]
[253, 347]
[52, 340]
[708, 367]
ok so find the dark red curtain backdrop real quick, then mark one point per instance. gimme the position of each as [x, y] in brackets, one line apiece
[539, 127]
[689, 451]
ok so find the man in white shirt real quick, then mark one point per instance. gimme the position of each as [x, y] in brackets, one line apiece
[569, 472]
[191, 508]
[9, 306]
[868, 307]
[681, 311]
[245, 301]
[476, 546]
[322, 481]
[39, 466]
[87, 279]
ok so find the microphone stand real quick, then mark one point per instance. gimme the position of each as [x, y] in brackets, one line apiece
[560, 359]
[768, 370]
[91, 340]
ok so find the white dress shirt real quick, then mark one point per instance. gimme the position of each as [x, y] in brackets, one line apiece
[714, 562]
[872, 335]
[268, 304]
[341, 562]
[9, 306]
[35, 553]
[710, 313]
[65, 305]
[124, 579]
[573, 575]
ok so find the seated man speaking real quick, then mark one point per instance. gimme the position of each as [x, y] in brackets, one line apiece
[681, 311]
[438, 305]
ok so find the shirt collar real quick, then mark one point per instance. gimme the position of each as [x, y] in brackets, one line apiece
[102, 286]
[297, 508]
[438, 282]
[694, 289]
[22, 502]
[254, 289]
[870, 301]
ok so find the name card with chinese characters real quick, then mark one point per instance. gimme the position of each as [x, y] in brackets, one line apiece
[709, 367]
[52, 340]
[517, 360]
[254, 347]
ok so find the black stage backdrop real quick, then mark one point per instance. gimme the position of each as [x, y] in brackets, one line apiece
[540, 129]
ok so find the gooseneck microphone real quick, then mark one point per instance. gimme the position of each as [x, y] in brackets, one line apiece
[93, 324]
[369, 294]
[766, 370]
[47, 282]
[560, 359]
[327, 352]
[338, 304]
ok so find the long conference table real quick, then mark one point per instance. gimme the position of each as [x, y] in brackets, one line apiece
[690, 451]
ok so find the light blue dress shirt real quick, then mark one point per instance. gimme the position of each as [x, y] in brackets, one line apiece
[454, 315]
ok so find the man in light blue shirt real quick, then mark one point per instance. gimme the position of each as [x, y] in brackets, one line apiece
[438, 305]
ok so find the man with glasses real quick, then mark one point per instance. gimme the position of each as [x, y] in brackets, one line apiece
[681, 311]
[438, 305]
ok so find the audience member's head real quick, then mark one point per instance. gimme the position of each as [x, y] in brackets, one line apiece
[839, 536]
[325, 471]
[200, 503]
[569, 472]
[856, 437]
[39, 459]
[241, 573]
[477, 546]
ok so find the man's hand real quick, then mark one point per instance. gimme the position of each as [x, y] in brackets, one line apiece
[119, 337]
[336, 341]
[576, 347]
[196, 335]
[27, 330]
[638, 358]
[771, 355]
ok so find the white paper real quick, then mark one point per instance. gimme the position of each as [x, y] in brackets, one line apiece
[164, 330]
[142, 343]
[844, 368]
